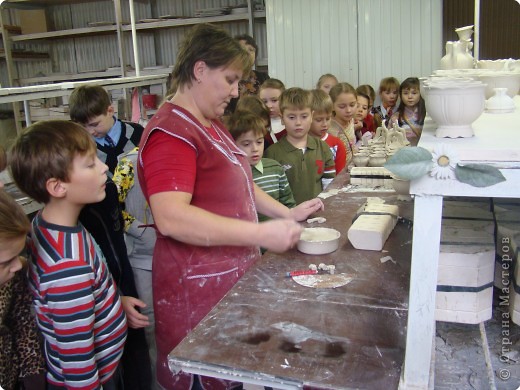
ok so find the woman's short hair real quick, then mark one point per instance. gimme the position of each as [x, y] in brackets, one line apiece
[214, 46]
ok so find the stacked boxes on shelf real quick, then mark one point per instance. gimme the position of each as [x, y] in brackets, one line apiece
[33, 21]
[38, 110]
[45, 109]
[466, 263]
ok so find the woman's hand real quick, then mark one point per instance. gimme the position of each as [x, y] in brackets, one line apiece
[134, 319]
[303, 210]
[279, 235]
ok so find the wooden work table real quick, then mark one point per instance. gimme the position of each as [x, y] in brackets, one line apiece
[270, 331]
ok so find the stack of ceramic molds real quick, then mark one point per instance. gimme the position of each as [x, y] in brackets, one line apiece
[371, 177]
[372, 225]
[60, 112]
[466, 263]
[507, 268]
[37, 110]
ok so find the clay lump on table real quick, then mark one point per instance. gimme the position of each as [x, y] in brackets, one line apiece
[373, 224]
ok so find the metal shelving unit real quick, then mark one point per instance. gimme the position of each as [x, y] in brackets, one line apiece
[13, 36]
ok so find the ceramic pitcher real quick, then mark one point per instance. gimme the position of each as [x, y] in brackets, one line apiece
[457, 56]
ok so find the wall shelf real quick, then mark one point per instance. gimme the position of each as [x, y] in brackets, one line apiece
[73, 44]
[20, 4]
[189, 21]
[60, 77]
[45, 91]
[25, 55]
[66, 33]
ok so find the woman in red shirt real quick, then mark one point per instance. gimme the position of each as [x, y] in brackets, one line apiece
[204, 202]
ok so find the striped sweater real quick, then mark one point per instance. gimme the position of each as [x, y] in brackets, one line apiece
[77, 306]
[269, 175]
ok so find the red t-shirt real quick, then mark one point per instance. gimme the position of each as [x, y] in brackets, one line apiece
[368, 124]
[170, 155]
[339, 152]
[171, 162]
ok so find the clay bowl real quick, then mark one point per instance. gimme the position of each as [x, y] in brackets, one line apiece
[493, 78]
[494, 64]
[318, 241]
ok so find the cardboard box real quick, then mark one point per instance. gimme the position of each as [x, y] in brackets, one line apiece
[33, 21]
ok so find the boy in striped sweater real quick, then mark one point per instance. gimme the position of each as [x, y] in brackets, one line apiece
[77, 305]
[248, 131]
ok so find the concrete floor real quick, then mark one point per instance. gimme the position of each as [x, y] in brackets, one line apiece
[471, 357]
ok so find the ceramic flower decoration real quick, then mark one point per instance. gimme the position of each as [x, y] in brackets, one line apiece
[413, 162]
[445, 161]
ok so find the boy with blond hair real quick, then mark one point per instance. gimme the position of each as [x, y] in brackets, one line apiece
[77, 306]
[307, 161]
[321, 117]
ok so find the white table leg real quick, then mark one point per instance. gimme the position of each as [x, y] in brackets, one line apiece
[423, 286]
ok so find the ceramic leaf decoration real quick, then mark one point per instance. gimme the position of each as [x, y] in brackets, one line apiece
[410, 163]
[478, 175]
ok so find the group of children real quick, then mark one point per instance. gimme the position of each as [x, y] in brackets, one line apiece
[91, 281]
[298, 140]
